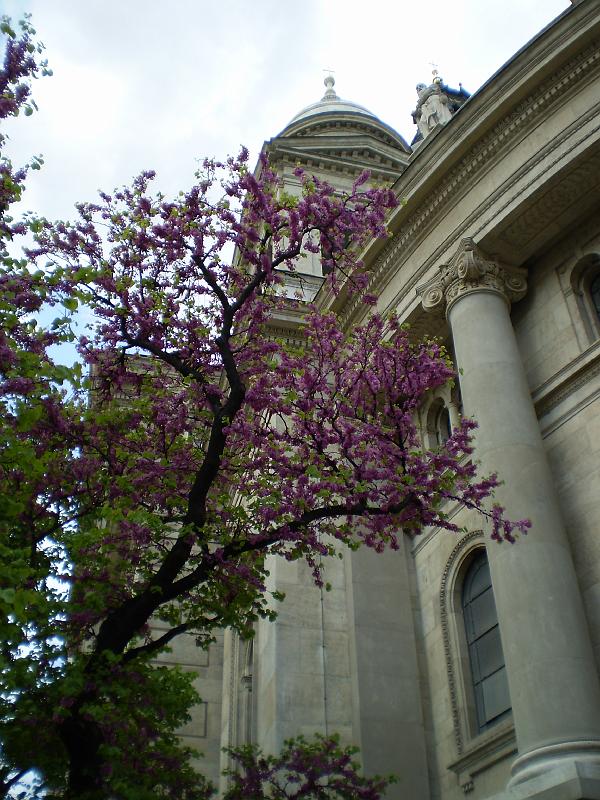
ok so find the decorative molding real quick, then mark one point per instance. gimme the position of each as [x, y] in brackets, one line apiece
[468, 271]
[371, 126]
[445, 589]
[291, 336]
[342, 147]
[491, 747]
[547, 430]
[567, 380]
[335, 165]
[299, 286]
[491, 208]
[543, 159]
[475, 162]
[555, 200]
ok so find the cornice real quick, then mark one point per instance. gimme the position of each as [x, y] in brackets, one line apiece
[290, 335]
[582, 179]
[340, 146]
[384, 167]
[550, 204]
[566, 381]
[470, 168]
[321, 124]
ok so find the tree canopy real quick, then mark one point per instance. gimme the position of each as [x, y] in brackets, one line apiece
[155, 478]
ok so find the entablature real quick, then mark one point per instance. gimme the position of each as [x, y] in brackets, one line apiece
[480, 173]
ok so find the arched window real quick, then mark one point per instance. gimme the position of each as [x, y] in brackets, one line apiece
[595, 294]
[443, 427]
[584, 280]
[439, 424]
[488, 672]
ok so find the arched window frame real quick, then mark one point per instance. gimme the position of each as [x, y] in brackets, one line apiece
[584, 279]
[442, 425]
[438, 417]
[458, 667]
[593, 290]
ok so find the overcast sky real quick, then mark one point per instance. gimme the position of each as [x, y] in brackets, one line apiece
[144, 84]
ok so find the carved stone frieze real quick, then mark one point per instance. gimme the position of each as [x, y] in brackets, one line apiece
[470, 270]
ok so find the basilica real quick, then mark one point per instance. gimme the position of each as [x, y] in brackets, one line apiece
[465, 667]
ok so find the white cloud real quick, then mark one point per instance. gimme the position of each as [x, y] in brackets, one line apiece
[138, 84]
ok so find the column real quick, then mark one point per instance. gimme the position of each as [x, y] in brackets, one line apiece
[552, 673]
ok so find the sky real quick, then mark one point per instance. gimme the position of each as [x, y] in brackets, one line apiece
[142, 84]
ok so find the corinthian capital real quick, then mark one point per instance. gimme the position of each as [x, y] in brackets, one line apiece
[470, 270]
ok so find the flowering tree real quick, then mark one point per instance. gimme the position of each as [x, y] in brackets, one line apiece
[209, 444]
[302, 771]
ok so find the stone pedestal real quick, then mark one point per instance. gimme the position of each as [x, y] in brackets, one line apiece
[552, 674]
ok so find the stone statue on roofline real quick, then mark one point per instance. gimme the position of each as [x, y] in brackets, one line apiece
[436, 105]
[432, 108]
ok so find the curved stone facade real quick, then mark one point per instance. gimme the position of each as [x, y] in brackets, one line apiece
[494, 249]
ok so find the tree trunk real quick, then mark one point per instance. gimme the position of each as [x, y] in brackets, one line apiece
[82, 739]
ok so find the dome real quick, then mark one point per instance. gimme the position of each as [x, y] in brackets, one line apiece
[333, 117]
[330, 103]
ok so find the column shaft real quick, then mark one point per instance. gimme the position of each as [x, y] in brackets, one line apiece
[552, 674]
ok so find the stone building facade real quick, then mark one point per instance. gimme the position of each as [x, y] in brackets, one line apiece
[465, 667]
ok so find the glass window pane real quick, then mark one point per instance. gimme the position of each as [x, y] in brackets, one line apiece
[487, 654]
[496, 699]
[443, 427]
[483, 613]
[477, 580]
[479, 705]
